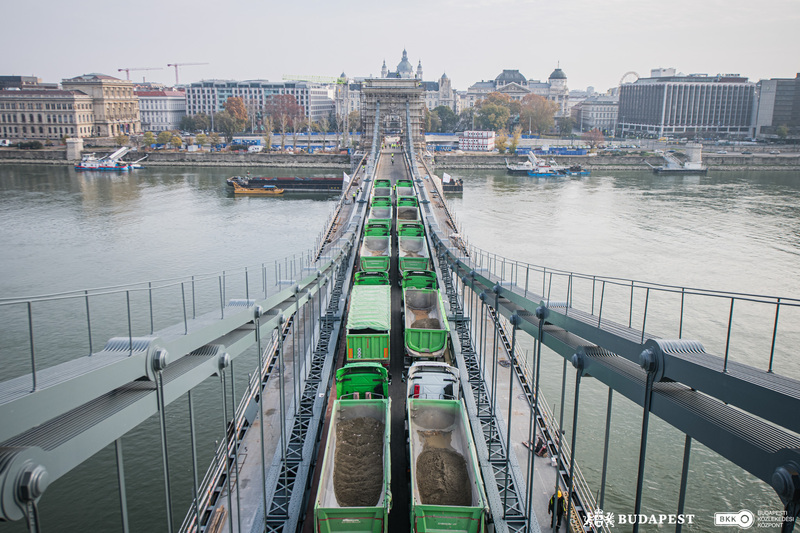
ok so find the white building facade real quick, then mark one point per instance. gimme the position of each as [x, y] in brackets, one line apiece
[161, 110]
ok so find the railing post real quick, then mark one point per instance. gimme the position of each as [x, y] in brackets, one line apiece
[33, 350]
[159, 363]
[728, 340]
[578, 362]
[687, 450]
[89, 322]
[515, 320]
[774, 334]
[605, 450]
[224, 361]
[193, 442]
[649, 363]
[123, 500]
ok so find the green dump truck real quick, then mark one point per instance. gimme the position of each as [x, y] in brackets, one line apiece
[407, 210]
[382, 187]
[369, 318]
[404, 188]
[426, 327]
[354, 492]
[447, 492]
[359, 380]
[380, 209]
[375, 253]
[412, 248]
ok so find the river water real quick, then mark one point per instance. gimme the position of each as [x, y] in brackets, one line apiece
[732, 231]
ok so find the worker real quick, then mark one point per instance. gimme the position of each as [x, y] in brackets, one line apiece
[559, 510]
[393, 159]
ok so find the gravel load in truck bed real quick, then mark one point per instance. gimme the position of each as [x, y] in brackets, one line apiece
[358, 462]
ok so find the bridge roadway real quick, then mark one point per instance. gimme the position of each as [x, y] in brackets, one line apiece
[249, 499]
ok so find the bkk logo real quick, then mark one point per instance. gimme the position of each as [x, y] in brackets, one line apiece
[600, 519]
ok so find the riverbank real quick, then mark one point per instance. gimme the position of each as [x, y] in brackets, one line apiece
[442, 161]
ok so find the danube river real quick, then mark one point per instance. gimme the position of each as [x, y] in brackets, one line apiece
[739, 232]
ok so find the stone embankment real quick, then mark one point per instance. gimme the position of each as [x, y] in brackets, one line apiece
[446, 161]
[221, 159]
[442, 161]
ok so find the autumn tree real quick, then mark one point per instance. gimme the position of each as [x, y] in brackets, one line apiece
[492, 117]
[268, 127]
[201, 139]
[501, 141]
[214, 139]
[538, 113]
[283, 108]
[516, 135]
[593, 138]
[121, 139]
[235, 106]
[176, 141]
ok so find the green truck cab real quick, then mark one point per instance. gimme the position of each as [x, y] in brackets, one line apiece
[375, 253]
[369, 318]
[447, 491]
[362, 380]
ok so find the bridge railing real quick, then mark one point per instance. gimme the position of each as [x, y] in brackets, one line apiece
[634, 302]
[144, 307]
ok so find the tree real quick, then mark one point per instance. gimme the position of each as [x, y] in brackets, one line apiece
[202, 122]
[121, 139]
[538, 113]
[283, 108]
[515, 137]
[448, 118]
[214, 139]
[593, 138]
[432, 121]
[323, 126]
[501, 141]
[465, 119]
[782, 131]
[228, 124]
[268, 127]
[164, 137]
[492, 117]
[148, 138]
[297, 126]
[176, 141]
[566, 124]
[201, 139]
[187, 123]
[354, 121]
[235, 106]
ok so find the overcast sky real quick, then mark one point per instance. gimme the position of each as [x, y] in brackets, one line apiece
[595, 41]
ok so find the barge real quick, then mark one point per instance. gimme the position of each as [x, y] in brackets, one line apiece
[289, 184]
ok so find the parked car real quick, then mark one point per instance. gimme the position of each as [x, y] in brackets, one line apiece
[747, 153]
[722, 151]
[774, 151]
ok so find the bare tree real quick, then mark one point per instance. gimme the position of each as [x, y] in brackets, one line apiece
[297, 126]
[322, 126]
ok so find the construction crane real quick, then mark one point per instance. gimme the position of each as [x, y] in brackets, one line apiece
[176, 65]
[128, 70]
[315, 79]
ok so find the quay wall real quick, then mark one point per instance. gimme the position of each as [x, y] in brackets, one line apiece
[447, 161]
[442, 161]
[222, 159]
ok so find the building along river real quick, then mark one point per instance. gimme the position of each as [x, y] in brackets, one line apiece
[732, 231]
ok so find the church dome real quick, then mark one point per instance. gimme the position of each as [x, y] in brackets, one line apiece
[404, 68]
[558, 74]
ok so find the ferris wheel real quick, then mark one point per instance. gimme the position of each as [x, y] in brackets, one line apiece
[630, 73]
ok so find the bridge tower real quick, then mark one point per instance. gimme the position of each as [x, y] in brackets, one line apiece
[393, 94]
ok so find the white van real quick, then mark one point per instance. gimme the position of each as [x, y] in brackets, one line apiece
[5, 142]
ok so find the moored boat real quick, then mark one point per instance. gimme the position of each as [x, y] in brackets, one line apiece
[264, 190]
[290, 184]
[111, 162]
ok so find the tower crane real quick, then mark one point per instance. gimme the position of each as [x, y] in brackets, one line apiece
[176, 65]
[129, 69]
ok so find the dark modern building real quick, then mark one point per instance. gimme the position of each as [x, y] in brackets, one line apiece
[778, 108]
[668, 104]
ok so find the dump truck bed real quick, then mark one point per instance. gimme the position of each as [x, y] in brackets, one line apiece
[447, 491]
[354, 492]
[426, 327]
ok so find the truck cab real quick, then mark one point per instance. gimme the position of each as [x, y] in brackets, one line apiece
[432, 380]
